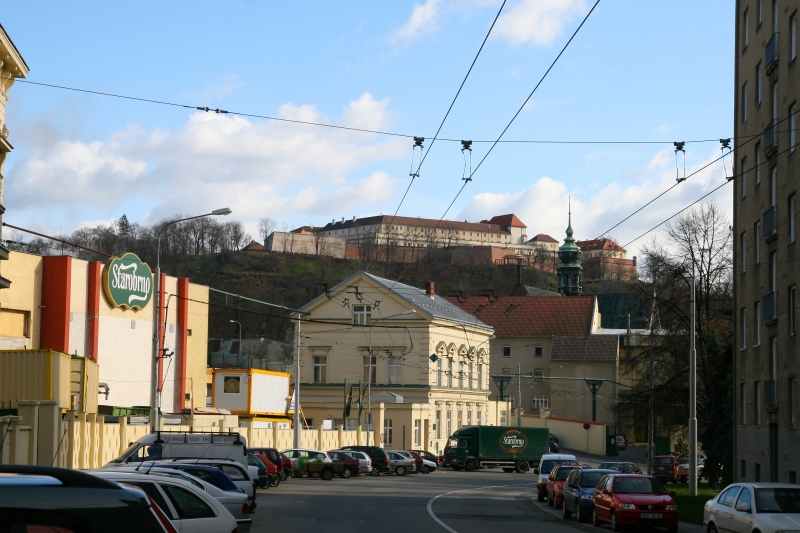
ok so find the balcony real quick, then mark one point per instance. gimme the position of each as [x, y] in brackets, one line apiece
[770, 305]
[770, 138]
[771, 53]
[770, 223]
[770, 395]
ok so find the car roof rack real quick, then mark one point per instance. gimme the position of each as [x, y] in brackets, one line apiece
[71, 478]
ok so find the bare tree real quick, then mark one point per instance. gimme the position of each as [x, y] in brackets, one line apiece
[266, 226]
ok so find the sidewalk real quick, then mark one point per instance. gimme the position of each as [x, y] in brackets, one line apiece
[684, 527]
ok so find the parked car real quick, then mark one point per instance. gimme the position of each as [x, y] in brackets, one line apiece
[190, 509]
[746, 507]
[555, 484]
[634, 500]
[235, 502]
[684, 466]
[546, 464]
[622, 442]
[437, 459]
[400, 463]
[271, 469]
[623, 467]
[554, 447]
[300, 456]
[352, 466]
[364, 462]
[667, 468]
[209, 474]
[416, 460]
[283, 463]
[380, 459]
[267, 473]
[34, 498]
[423, 465]
[579, 491]
[234, 470]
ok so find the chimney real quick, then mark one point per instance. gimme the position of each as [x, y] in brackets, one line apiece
[429, 289]
[342, 220]
[354, 218]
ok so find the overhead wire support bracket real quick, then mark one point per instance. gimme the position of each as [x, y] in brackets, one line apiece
[679, 148]
[466, 146]
[417, 144]
[725, 143]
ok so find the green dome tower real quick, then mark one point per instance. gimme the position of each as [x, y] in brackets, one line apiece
[569, 267]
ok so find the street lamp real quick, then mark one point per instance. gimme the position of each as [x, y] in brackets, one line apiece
[369, 377]
[239, 351]
[154, 377]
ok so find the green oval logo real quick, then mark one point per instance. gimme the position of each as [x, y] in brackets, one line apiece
[127, 282]
[513, 441]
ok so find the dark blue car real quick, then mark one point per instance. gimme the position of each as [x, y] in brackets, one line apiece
[579, 492]
[209, 474]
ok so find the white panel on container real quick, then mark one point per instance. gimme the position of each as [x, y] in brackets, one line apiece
[269, 393]
[262, 425]
[284, 425]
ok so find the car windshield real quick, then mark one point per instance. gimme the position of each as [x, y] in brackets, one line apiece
[778, 500]
[638, 485]
[664, 461]
[590, 479]
[548, 464]
[619, 467]
[453, 443]
[562, 473]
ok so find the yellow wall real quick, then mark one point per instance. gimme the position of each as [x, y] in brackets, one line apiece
[25, 273]
[197, 344]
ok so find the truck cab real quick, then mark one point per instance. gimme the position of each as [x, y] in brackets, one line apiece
[460, 450]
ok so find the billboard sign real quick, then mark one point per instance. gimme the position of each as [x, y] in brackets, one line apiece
[127, 282]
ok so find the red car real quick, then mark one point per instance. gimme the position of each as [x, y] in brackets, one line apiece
[634, 500]
[283, 463]
[555, 484]
[272, 470]
[352, 466]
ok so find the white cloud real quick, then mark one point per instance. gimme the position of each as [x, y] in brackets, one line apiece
[257, 169]
[537, 22]
[543, 205]
[223, 86]
[424, 20]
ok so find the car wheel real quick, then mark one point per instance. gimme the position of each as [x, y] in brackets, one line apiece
[509, 470]
[595, 521]
[550, 500]
[522, 467]
[614, 524]
[566, 514]
[712, 528]
[274, 481]
[282, 475]
[578, 516]
[400, 471]
[426, 469]
[470, 466]
[540, 495]
[326, 474]
[346, 473]
[376, 471]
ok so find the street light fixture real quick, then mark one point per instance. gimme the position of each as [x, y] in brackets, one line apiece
[154, 376]
[239, 351]
[369, 376]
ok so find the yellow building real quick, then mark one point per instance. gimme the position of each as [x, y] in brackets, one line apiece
[425, 360]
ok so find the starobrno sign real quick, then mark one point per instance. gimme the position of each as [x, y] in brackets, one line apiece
[127, 282]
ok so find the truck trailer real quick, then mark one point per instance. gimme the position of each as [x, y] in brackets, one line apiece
[514, 449]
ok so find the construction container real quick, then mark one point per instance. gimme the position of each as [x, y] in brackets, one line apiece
[48, 375]
[251, 391]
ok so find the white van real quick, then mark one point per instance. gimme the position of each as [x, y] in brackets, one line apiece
[546, 464]
[167, 445]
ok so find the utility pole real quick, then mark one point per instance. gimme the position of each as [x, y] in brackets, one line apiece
[651, 432]
[519, 395]
[297, 389]
[692, 400]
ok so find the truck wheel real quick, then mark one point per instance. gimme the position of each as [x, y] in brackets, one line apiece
[508, 470]
[470, 466]
[522, 467]
[326, 474]
[346, 473]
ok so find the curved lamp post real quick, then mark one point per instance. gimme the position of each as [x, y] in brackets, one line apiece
[154, 377]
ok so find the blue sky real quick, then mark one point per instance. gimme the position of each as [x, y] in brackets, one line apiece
[638, 70]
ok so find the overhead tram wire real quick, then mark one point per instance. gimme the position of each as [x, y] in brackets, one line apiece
[334, 126]
[467, 180]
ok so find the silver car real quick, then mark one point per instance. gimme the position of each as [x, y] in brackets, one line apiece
[400, 463]
[749, 507]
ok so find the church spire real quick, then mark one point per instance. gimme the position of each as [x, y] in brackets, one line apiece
[569, 268]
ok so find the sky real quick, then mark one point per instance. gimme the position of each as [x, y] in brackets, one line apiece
[636, 71]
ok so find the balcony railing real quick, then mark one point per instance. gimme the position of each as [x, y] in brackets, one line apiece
[771, 53]
[770, 138]
[770, 305]
[770, 224]
[770, 392]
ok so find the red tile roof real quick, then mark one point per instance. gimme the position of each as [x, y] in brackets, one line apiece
[600, 244]
[543, 238]
[585, 348]
[509, 220]
[254, 246]
[531, 316]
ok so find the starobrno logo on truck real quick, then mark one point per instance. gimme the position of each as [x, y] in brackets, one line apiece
[127, 282]
[513, 441]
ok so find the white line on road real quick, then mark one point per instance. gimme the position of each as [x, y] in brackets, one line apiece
[450, 529]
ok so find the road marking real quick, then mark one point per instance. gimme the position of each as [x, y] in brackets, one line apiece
[448, 528]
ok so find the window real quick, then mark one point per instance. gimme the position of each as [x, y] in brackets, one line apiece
[757, 403]
[793, 402]
[744, 177]
[461, 374]
[760, 13]
[480, 376]
[362, 315]
[758, 163]
[394, 371]
[538, 351]
[792, 219]
[758, 472]
[320, 369]
[792, 310]
[458, 419]
[773, 187]
[773, 269]
[187, 504]
[744, 103]
[417, 430]
[370, 368]
[539, 402]
[478, 417]
[744, 498]
[537, 374]
[793, 36]
[792, 477]
[757, 237]
[438, 424]
[387, 432]
[743, 469]
[151, 490]
[231, 385]
[743, 399]
[449, 373]
[469, 375]
[449, 425]
[792, 128]
[757, 324]
[439, 372]
[745, 27]
[743, 248]
[506, 351]
[509, 399]
[758, 84]
[14, 323]
[743, 322]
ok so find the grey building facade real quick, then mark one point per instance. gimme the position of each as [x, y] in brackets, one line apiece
[765, 269]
